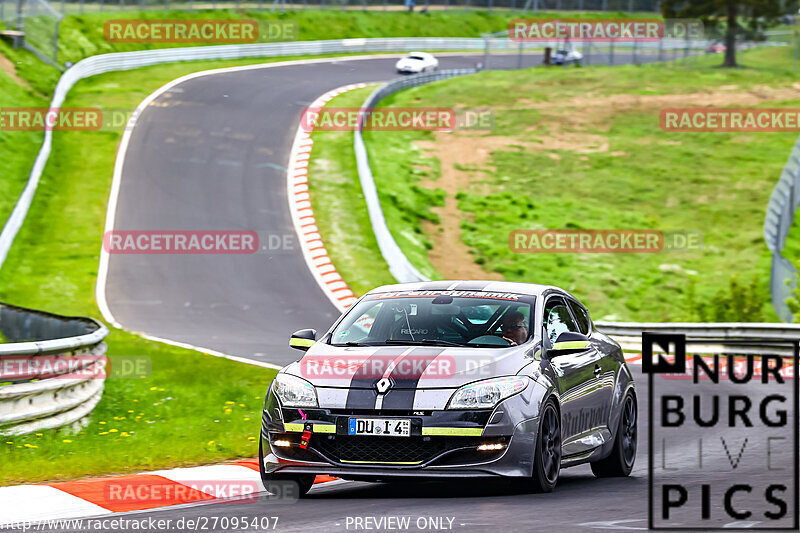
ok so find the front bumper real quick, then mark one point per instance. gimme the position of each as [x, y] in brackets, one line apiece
[442, 444]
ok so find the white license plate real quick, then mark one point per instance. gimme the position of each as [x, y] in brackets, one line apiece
[387, 427]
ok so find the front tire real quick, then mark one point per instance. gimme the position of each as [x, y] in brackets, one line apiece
[547, 454]
[286, 485]
[620, 462]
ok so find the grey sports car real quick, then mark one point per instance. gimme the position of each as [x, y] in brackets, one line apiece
[451, 379]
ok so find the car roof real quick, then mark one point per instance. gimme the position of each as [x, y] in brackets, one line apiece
[513, 287]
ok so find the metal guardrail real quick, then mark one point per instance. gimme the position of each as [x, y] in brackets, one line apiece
[103, 63]
[399, 265]
[720, 337]
[52, 369]
[780, 211]
[778, 221]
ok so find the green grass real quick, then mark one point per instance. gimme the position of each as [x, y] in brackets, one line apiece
[19, 148]
[336, 191]
[405, 202]
[81, 36]
[53, 266]
[716, 183]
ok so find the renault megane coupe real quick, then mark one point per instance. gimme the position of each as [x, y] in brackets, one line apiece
[451, 379]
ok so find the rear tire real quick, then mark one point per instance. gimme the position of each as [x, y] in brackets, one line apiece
[547, 453]
[286, 485]
[620, 462]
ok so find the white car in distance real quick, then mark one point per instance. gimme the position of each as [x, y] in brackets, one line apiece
[416, 62]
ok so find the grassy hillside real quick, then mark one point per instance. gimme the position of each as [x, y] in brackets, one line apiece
[18, 148]
[81, 36]
[582, 148]
[212, 405]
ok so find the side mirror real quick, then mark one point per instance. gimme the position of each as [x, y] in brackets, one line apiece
[569, 343]
[303, 339]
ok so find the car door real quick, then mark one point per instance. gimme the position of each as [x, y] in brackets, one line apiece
[577, 380]
[609, 366]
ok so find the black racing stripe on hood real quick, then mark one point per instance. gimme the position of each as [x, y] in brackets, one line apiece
[471, 286]
[362, 392]
[404, 383]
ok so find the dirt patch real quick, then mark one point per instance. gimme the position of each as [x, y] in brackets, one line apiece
[8, 67]
[592, 110]
[449, 255]
[464, 156]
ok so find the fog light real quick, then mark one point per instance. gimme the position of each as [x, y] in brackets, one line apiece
[282, 443]
[491, 447]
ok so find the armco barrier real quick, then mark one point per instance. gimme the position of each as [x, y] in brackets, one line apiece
[780, 210]
[777, 223]
[629, 335]
[101, 64]
[71, 383]
[399, 265]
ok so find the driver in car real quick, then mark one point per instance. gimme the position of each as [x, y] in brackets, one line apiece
[514, 327]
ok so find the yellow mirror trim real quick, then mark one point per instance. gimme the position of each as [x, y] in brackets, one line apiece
[297, 342]
[571, 345]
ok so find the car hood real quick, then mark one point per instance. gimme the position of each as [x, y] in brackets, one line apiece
[407, 367]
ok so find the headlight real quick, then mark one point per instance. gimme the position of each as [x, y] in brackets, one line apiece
[295, 392]
[487, 393]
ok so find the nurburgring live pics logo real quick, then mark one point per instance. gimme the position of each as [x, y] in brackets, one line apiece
[740, 418]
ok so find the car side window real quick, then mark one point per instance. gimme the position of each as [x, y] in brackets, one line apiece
[581, 316]
[558, 321]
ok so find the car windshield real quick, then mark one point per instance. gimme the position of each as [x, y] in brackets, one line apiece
[421, 58]
[439, 318]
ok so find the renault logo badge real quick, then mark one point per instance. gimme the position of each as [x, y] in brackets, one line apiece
[383, 385]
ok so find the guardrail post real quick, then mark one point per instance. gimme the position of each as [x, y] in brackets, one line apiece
[55, 41]
[611, 52]
[20, 24]
[686, 46]
[519, 56]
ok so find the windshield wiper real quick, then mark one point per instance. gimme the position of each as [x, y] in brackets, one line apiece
[425, 342]
[355, 343]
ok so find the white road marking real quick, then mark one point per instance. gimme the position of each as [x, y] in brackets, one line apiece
[113, 199]
[23, 503]
[615, 524]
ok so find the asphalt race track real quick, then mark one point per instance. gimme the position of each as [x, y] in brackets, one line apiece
[210, 154]
[580, 502]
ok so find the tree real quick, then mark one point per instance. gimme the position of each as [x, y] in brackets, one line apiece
[746, 19]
